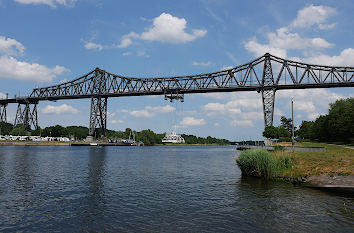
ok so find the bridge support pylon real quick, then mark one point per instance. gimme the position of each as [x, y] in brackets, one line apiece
[268, 94]
[26, 116]
[98, 115]
[3, 117]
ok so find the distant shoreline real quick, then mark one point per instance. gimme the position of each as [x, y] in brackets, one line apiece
[56, 143]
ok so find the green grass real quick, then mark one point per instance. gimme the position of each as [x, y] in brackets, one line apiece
[336, 160]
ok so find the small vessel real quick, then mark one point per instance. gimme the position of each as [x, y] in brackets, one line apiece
[93, 144]
[173, 138]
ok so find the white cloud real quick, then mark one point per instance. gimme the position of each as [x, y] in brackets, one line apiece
[10, 46]
[142, 113]
[345, 58]
[242, 123]
[171, 29]
[127, 40]
[93, 46]
[11, 68]
[2, 96]
[116, 121]
[149, 111]
[313, 115]
[191, 121]
[142, 54]
[314, 15]
[51, 3]
[161, 109]
[305, 106]
[309, 103]
[214, 107]
[226, 67]
[64, 108]
[278, 112]
[282, 40]
[208, 63]
[259, 49]
[216, 124]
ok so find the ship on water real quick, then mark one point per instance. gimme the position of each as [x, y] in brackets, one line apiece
[173, 138]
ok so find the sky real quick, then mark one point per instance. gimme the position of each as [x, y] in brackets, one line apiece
[47, 42]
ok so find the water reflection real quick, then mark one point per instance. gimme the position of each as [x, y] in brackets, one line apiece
[95, 202]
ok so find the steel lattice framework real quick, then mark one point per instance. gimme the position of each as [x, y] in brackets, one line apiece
[266, 74]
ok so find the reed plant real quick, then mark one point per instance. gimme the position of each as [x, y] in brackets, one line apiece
[258, 162]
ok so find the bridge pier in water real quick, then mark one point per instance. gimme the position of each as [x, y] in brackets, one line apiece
[26, 116]
[98, 115]
[3, 117]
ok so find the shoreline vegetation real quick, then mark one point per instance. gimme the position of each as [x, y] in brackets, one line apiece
[301, 166]
[58, 143]
[79, 133]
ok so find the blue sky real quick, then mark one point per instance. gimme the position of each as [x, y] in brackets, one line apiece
[45, 42]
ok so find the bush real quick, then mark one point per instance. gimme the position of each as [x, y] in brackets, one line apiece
[258, 163]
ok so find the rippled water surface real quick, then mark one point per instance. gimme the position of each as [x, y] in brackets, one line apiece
[153, 189]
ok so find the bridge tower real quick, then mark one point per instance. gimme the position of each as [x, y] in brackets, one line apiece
[98, 112]
[3, 113]
[268, 94]
[26, 116]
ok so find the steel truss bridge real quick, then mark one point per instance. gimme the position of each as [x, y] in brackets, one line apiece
[266, 75]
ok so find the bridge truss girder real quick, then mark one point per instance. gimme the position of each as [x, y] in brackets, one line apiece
[3, 117]
[26, 116]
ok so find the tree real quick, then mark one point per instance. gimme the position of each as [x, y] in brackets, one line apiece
[5, 128]
[305, 130]
[287, 123]
[270, 132]
[18, 132]
[273, 132]
[340, 121]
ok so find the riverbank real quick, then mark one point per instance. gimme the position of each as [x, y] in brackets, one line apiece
[82, 143]
[332, 168]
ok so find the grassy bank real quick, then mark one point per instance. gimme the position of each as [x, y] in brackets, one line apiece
[336, 160]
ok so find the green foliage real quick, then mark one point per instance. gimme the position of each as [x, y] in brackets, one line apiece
[18, 132]
[285, 162]
[258, 163]
[191, 139]
[77, 132]
[286, 123]
[275, 132]
[5, 128]
[263, 164]
[36, 132]
[54, 131]
[305, 130]
[337, 126]
[148, 137]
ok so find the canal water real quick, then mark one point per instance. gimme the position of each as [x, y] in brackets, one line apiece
[154, 189]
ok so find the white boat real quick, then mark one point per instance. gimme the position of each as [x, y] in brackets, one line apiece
[173, 138]
[93, 144]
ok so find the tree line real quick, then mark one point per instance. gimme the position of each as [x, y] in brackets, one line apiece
[335, 127]
[148, 137]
